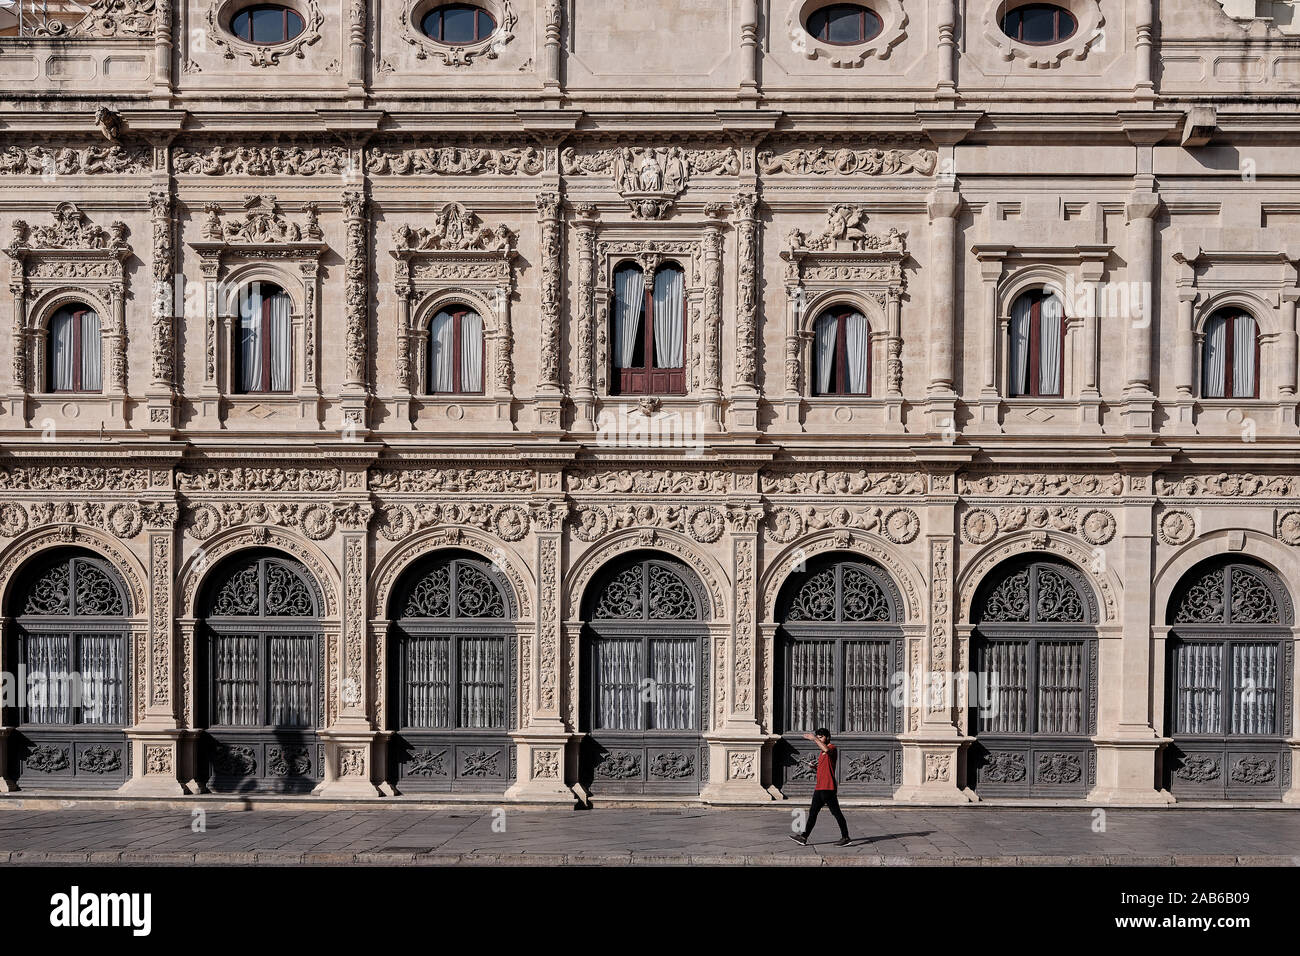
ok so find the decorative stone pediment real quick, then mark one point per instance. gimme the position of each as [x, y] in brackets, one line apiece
[71, 231]
[650, 179]
[846, 252]
[262, 228]
[455, 229]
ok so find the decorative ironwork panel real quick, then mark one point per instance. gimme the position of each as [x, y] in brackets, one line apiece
[649, 590]
[265, 587]
[1231, 594]
[844, 592]
[1035, 593]
[75, 586]
[455, 588]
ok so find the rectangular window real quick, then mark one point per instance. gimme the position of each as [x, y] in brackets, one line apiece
[1007, 665]
[482, 687]
[1062, 687]
[672, 703]
[1198, 691]
[291, 680]
[426, 672]
[812, 685]
[48, 661]
[102, 667]
[1254, 688]
[866, 688]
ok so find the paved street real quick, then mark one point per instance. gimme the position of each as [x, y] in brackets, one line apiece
[701, 836]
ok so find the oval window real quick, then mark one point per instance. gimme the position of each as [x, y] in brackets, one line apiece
[844, 24]
[1039, 24]
[458, 23]
[266, 24]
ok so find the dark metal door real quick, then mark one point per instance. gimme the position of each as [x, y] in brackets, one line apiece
[451, 686]
[643, 673]
[1229, 684]
[1035, 653]
[72, 675]
[261, 683]
[839, 647]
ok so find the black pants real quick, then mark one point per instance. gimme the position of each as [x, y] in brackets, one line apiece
[829, 800]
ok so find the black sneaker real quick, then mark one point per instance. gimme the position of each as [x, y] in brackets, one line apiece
[801, 840]
[843, 841]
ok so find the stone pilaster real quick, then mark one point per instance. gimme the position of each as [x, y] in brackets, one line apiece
[160, 397]
[546, 758]
[711, 387]
[944, 206]
[736, 747]
[550, 388]
[355, 394]
[584, 391]
[744, 399]
[1139, 402]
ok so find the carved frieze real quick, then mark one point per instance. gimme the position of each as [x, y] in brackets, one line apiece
[316, 520]
[122, 519]
[1026, 485]
[508, 522]
[260, 161]
[456, 161]
[831, 161]
[1224, 485]
[1096, 526]
[73, 478]
[239, 478]
[452, 480]
[648, 482]
[73, 160]
[704, 523]
[820, 482]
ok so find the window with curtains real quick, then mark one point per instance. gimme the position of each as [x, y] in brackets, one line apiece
[1230, 362]
[844, 24]
[644, 671]
[71, 643]
[839, 631]
[456, 352]
[261, 617]
[75, 350]
[842, 353]
[648, 343]
[1034, 647]
[1037, 347]
[264, 353]
[452, 655]
[1226, 652]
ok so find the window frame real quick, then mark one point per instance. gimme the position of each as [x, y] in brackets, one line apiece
[479, 13]
[457, 311]
[238, 363]
[78, 345]
[839, 377]
[641, 380]
[864, 36]
[1034, 347]
[1229, 315]
[285, 11]
[1056, 9]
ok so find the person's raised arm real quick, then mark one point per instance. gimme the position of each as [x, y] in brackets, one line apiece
[817, 740]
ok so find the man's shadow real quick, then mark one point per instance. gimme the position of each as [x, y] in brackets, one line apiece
[866, 841]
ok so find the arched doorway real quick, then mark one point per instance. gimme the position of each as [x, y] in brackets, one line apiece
[1229, 680]
[451, 675]
[839, 644]
[1033, 708]
[70, 660]
[259, 686]
[643, 674]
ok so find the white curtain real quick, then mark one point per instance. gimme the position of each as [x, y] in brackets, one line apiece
[1216, 353]
[91, 353]
[102, 664]
[281, 328]
[62, 354]
[674, 684]
[1051, 331]
[824, 333]
[1019, 356]
[629, 303]
[482, 682]
[427, 676]
[471, 352]
[49, 657]
[250, 340]
[1243, 357]
[857, 345]
[618, 675]
[670, 305]
[441, 353]
[811, 683]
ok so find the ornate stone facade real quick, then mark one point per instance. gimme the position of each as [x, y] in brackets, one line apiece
[401, 179]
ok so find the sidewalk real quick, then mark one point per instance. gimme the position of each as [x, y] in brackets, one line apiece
[698, 836]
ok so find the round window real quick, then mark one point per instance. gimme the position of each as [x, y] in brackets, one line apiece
[1039, 24]
[844, 24]
[266, 24]
[458, 24]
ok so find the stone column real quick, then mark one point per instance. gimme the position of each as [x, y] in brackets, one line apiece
[550, 390]
[1144, 51]
[547, 752]
[160, 397]
[349, 740]
[736, 747]
[552, 85]
[987, 419]
[1139, 403]
[155, 740]
[1091, 271]
[355, 395]
[894, 355]
[749, 50]
[944, 206]
[1286, 360]
[1127, 742]
[946, 22]
[18, 392]
[357, 52]
[162, 54]
[402, 292]
[744, 400]
[584, 392]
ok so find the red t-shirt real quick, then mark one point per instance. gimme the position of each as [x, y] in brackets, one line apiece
[826, 768]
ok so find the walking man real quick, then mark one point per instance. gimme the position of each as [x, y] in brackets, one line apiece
[824, 794]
